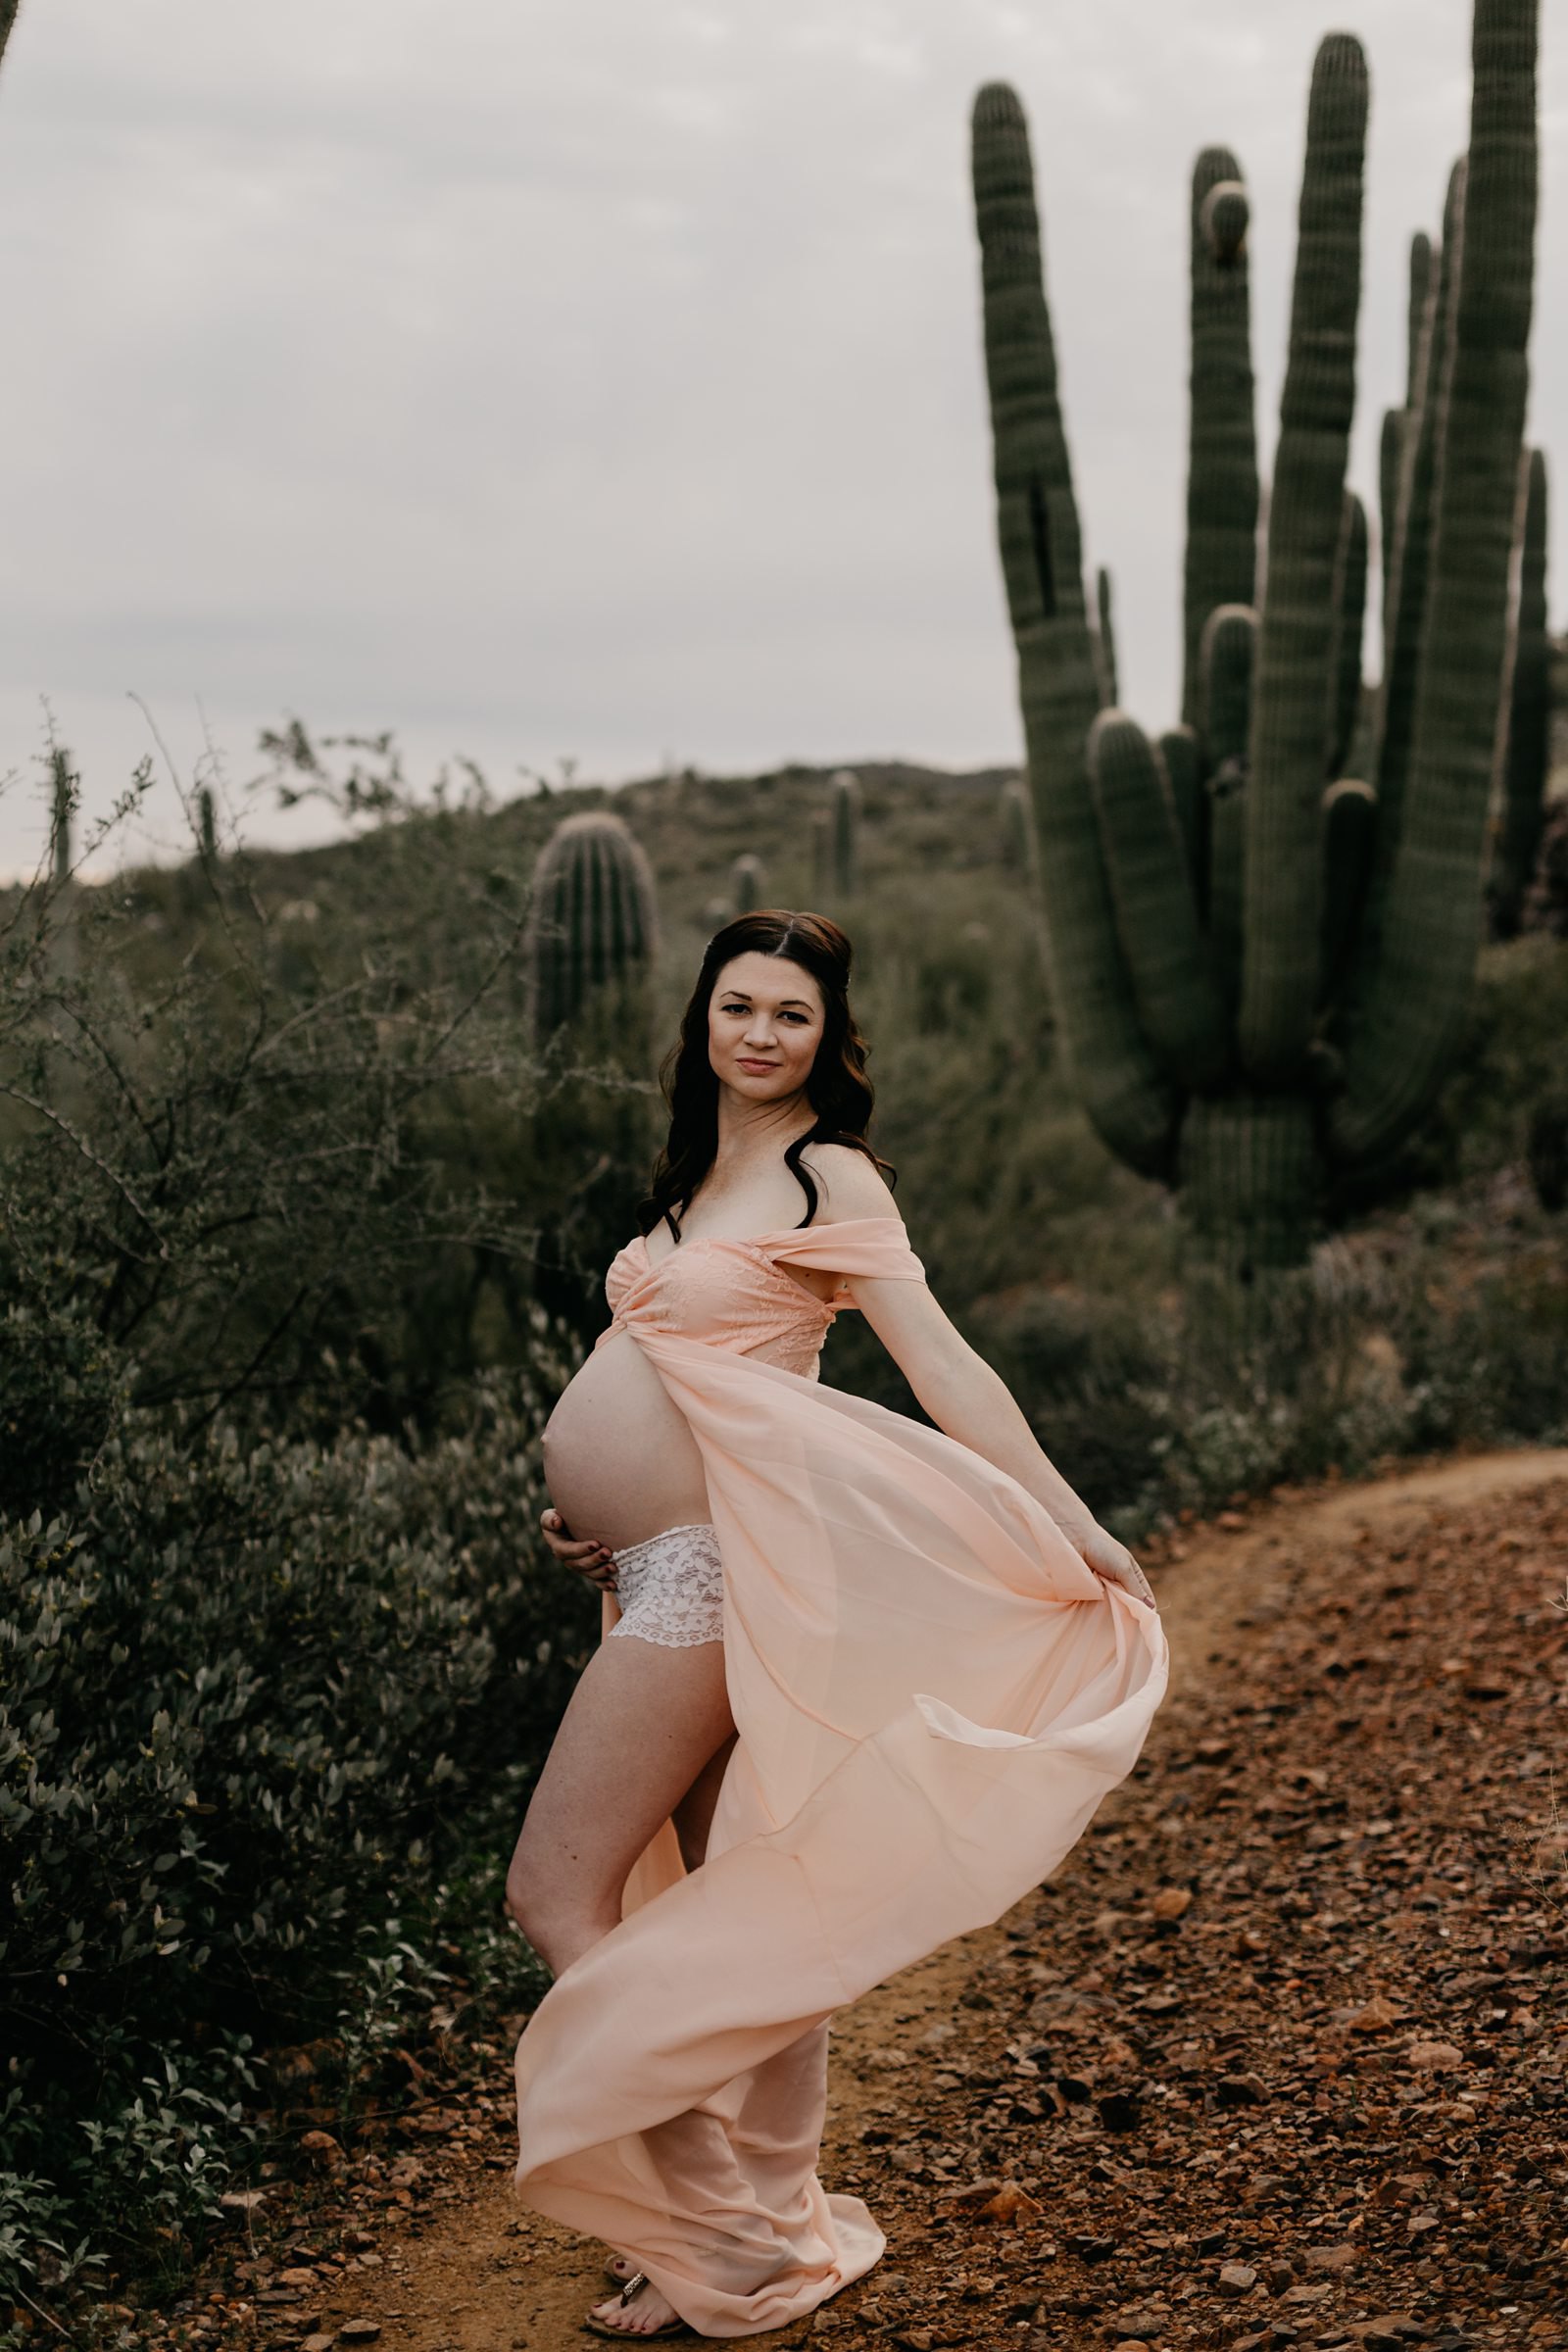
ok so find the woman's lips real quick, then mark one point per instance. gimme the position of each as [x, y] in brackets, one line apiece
[747, 1064]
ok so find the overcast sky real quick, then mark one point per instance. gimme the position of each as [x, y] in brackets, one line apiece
[602, 377]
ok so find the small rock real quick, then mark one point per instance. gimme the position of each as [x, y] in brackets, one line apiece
[316, 2343]
[1277, 2276]
[302, 2282]
[1375, 2016]
[1119, 2111]
[1170, 1902]
[1240, 2090]
[1435, 2057]
[1010, 2204]
[1308, 2294]
[1237, 2278]
[1330, 2258]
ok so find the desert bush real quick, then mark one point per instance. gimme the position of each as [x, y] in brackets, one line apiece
[254, 1699]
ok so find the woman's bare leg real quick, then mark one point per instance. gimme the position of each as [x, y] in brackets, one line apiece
[636, 1743]
[694, 1815]
[644, 1739]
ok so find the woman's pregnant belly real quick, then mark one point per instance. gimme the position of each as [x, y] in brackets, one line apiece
[620, 1461]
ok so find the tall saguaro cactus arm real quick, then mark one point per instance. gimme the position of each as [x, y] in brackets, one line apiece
[1407, 553]
[1222, 443]
[1415, 317]
[1130, 1102]
[1529, 748]
[1350, 614]
[1283, 860]
[1139, 831]
[1425, 957]
[1109, 685]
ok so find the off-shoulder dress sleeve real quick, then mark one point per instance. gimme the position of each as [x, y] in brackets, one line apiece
[876, 1246]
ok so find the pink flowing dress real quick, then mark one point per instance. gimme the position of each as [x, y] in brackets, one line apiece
[932, 1693]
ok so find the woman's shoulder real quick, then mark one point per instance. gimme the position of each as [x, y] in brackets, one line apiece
[851, 1185]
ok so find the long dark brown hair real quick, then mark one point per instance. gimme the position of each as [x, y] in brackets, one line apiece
[837, 1089]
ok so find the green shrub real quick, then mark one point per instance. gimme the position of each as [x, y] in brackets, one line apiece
[252, 1700]
[61, 1382]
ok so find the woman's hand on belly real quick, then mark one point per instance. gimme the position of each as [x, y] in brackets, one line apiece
[584, 1553]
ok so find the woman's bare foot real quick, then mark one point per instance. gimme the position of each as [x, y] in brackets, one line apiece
[619, 2267]
[647, 2310]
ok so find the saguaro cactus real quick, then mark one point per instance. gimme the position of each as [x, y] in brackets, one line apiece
[63, 795]
[1527, 754]
[1258, 979]
[747, 884]
[844, 811]
[593, 917]
[207, 825]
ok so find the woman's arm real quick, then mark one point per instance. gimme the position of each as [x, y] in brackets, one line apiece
[960, 1391]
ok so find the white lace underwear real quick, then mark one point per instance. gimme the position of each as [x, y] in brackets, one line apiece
[672, 1589]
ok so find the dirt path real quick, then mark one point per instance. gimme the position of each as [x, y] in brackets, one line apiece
[482, 2275]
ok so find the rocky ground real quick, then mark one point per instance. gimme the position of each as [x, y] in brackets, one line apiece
[1276, 2059]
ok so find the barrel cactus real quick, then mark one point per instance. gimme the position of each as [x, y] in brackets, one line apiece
[593, 917]
[1261, 979]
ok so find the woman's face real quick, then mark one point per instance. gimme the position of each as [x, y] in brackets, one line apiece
[765, 1024]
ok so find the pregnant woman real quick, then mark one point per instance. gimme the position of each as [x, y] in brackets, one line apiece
[861, 1684]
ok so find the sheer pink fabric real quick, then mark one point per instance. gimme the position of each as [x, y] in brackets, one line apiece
[932, 1695]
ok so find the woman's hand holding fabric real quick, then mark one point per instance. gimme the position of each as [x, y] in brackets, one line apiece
[1111, 1561]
